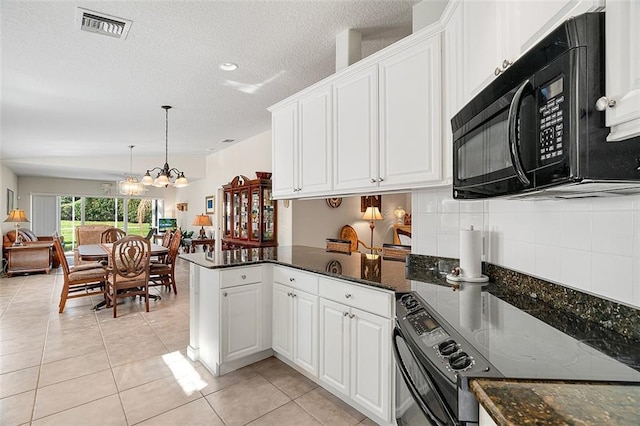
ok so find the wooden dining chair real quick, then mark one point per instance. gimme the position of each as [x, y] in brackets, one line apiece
[112, 235]
[164, 273]
[128, 271]
[81, 280]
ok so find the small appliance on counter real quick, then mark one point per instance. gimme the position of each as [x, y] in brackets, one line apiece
[470, 269]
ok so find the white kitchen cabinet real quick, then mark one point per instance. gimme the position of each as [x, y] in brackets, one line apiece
[241, 322]
[355, 125]
[497, 33]
[284, 129]
[232, 317]
[355, 355]
[295, 318]
[410, 114]
[355, 344]
[623, 69]
[302, 147]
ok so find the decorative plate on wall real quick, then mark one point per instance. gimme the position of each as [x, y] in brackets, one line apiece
[334, 202]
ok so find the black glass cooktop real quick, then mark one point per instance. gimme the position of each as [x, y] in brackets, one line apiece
[520, 345]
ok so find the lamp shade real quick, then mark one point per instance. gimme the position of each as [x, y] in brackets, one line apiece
[202, 220]
[372, 213]
[16, 215]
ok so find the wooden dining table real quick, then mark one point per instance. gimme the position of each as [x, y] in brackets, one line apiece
[97, 252]
[101, 251]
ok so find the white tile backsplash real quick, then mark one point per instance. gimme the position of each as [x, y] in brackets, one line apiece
[588, 244]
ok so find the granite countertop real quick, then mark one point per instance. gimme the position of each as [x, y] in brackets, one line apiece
[355, 267]
[515, 402]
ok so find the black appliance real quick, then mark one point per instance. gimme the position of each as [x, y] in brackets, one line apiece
[535, 129]
[444, 336]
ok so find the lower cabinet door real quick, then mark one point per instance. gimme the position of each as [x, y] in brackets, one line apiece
[282, 324]
[334, 345]
[370, 361]
[305, 328]
[241, 308]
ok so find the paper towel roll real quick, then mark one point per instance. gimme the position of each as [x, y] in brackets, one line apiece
[471, 253]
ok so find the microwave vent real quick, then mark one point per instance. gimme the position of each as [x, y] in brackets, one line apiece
[103, 24]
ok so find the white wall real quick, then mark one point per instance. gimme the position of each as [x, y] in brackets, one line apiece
[8, 180]
[590, 244]
[314, 220]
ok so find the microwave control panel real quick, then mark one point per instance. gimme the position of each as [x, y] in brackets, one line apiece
[551, 117]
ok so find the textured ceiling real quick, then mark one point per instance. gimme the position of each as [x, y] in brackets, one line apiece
[72, 101]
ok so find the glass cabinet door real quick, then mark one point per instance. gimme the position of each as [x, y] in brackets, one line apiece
[227, 214]
[268, 217]
[236, 215]
[255, 214]
[244, 213]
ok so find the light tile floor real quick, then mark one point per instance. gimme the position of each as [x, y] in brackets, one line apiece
[85, 367]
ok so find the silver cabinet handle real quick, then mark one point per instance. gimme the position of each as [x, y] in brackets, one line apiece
[289, 294]
[294, 295]
[380, 179]
[506, 63]
[373, 181]
[346, 314]
[347, 295]
[604, 102]
[244, 277]
[351, 316]
[224, 294]
[292, 279]
[497, 71]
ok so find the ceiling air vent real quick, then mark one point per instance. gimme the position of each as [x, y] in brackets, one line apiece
[100, 23]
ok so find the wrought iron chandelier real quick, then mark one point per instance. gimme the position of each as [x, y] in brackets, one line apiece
[165, 173]
[130, 185]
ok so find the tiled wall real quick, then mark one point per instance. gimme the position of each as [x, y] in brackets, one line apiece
[590, 244]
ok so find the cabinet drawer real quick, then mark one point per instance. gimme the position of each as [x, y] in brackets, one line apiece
[240, 276]
[296, 279]
[370, 300]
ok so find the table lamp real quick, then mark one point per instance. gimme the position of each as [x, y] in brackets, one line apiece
[17, 216]
[371, 214]
[202, 220]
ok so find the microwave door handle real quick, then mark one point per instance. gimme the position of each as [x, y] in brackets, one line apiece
[412, 387]
[514, 150]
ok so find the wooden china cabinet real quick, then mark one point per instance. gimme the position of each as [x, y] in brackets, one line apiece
[249, 213]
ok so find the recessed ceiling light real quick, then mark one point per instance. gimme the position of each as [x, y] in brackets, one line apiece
[227, 140]
[228, 66]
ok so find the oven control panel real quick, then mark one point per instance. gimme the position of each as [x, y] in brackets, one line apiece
[551, 116]
[450, 353]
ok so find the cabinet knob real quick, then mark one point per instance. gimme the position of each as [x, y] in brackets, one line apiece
[351, 316]
[244, 277]
[380, 179]
[346, 314]
[347, 295]
[506, 63]
[373, 181]
[497, 71]
[294, 295]
[289, 294]
[224, 294]
[604, 102]
[292, 279]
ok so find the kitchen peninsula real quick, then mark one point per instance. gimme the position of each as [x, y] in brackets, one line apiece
[330, 316]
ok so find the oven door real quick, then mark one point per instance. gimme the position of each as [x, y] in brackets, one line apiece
[418, 400]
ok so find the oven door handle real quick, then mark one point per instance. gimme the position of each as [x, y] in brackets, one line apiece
[514, 150]
[412, 387]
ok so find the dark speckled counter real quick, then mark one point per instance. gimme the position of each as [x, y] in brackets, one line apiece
[517, 402]
[355, 267]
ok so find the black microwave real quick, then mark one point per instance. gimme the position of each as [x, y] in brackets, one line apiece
[536, 130]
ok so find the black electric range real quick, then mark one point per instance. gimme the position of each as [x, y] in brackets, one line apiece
[446, 334]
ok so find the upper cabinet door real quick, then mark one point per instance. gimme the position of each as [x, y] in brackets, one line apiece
[410, 137]
[355, 144]
[284, 128]
[315, 142]
[623, 68]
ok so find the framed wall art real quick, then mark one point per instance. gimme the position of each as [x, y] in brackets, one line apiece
[9, 200]
[210, 204]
